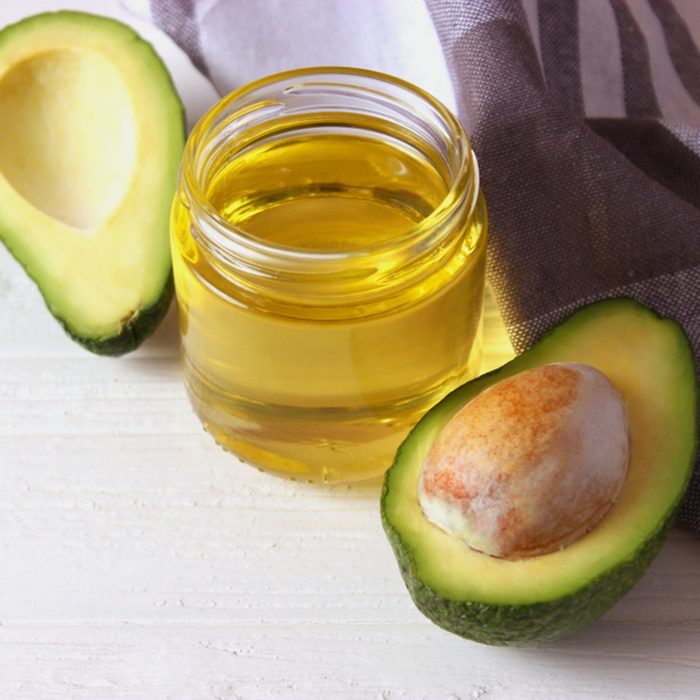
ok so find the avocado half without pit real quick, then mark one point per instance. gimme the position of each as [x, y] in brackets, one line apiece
[531, 499]
[92, 134]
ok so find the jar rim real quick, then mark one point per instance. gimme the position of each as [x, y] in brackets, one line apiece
[227, 235]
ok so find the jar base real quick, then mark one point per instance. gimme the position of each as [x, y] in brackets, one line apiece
[291, 467]
[320, 445]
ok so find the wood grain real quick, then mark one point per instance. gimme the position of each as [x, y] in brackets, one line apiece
[139, 560]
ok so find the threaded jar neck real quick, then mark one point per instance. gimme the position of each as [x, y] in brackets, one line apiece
[316, 102]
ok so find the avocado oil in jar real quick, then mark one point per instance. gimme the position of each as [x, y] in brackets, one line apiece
[329, 246]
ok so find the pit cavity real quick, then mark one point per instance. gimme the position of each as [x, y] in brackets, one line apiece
[68, 140]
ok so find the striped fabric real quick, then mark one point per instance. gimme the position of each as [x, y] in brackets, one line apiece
[585, 116]
[590, 155]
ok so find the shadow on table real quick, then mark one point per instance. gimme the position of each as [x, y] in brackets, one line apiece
[370, 489]
[653, 629]
[165, 341]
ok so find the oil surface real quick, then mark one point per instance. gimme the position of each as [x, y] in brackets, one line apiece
[324, 391]
[327, 192]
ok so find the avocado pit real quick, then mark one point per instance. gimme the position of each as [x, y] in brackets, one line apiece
[530, 464]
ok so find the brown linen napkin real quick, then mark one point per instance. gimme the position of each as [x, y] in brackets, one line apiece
[579, 210]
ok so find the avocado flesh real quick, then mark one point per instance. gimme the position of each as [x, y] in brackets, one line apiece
[92, 136]
[496, 601]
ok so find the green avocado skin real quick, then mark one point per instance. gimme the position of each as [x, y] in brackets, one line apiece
[524, 625]
[133, 332]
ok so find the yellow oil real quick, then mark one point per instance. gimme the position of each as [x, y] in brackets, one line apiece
[326, 391]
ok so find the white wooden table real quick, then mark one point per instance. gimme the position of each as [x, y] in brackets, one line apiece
[138, 560]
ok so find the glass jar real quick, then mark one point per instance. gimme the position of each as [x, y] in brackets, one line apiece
[328, 246]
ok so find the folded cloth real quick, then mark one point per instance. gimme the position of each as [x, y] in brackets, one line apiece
[581, 209]
[585, 117]
[236, 41]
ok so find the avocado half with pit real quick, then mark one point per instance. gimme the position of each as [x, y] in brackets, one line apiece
[92, 135]
[534, 599]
